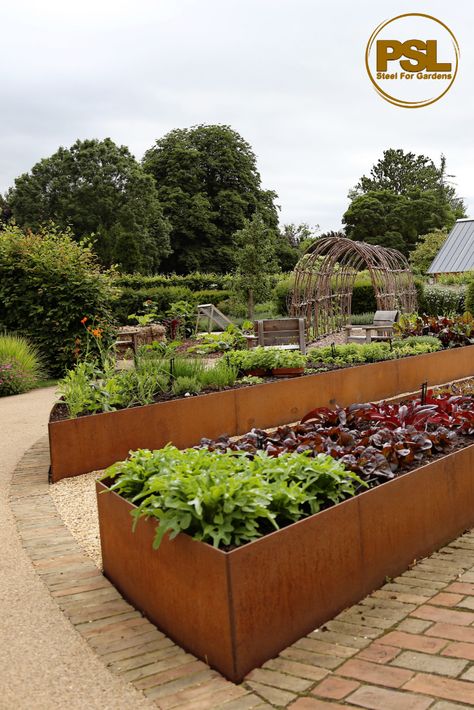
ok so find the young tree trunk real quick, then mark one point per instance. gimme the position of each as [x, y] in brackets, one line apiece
[250, 305]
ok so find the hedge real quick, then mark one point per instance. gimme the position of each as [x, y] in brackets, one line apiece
[195, 281]
[130, 300]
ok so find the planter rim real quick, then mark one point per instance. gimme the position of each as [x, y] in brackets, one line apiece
[261, 384]
[272, 534]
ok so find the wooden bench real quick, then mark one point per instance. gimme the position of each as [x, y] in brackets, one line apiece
[287, 333]
[381, 329]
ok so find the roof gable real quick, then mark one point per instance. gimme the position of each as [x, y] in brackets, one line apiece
[457, 253]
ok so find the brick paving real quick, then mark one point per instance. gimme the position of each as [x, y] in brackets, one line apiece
[407, 646]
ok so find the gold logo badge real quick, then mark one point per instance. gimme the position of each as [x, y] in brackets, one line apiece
[412, 60]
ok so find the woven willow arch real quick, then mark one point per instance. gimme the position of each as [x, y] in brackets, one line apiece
[324, 281]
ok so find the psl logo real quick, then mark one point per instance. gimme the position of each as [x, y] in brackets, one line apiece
[412, 60]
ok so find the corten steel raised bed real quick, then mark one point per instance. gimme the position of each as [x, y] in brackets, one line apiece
[94, 442]
[237, 609]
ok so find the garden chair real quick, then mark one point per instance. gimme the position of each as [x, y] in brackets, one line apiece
[127, 339]
[381, 329]
[285, 333]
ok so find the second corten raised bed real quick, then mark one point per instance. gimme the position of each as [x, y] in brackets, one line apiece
[94, 442]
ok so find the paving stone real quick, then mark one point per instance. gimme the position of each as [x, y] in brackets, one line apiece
[459, 650]
[414, 626]
[461, 588]
[428, 663]
[446, 599]
[315, 704]
[378, 605]
[302, 654]
[300, 670]
[445, 688]
[152, 669]
[354, 629]
[275, 696]
[179, 669]
[376, 653]
[424, 644]
[446, 705]
[349, 640]
[468, 675]
[374, 673]
[246, 702]
[383, 699]
[330, 649]
[405, 597]
[279, 680]
[335, 688]
[202, 696]
[170, 689]
[445, 616]
[451, 632]
[410, 581]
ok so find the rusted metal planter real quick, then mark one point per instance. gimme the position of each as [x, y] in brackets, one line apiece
[94, 442]
[235, 610]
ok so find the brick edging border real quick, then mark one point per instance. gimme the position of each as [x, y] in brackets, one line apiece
[123, 639]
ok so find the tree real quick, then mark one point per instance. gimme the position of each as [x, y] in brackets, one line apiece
[427, 248]
[208, 184]
[402, 173]
[396, 220]
[5, 211]
[255, 260]
[98, 189]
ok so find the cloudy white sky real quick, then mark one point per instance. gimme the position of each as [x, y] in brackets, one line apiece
[287, 74]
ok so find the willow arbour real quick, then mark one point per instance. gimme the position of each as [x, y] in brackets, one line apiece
[324, 281]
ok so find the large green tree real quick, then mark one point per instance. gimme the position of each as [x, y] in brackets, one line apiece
[405, 196]
[392, 220]
[403, 173]
[208, 184]
[97, 188]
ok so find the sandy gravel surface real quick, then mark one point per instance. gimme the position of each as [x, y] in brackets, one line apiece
[44, 663]
[75, 499]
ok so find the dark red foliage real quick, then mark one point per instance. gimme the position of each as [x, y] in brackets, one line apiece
[376, 441]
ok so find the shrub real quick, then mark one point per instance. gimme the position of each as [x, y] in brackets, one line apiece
[48, 284]
[227, 499]
[20, 365]
[470, 297]
[281, 295]
[442, 300]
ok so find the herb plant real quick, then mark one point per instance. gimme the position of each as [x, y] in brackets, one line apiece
[227, 499]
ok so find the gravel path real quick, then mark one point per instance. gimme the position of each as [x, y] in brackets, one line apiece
[75, 499]
[44, 663]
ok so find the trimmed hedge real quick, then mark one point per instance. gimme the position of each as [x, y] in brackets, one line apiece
[195, 281]
[130, 300]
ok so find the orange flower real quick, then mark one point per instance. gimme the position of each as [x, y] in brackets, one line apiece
[84, 320]
[97, 333]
